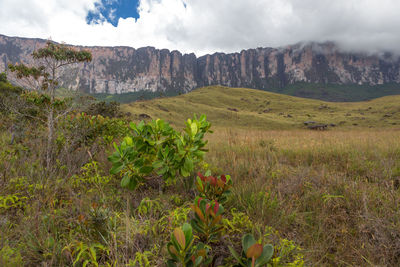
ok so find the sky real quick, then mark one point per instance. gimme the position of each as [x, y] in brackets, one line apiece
[207, 26]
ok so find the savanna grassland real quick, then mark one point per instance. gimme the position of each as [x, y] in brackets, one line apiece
[335, 192]
[320, 198]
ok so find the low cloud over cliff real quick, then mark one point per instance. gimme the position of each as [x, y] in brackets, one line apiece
[207, 26]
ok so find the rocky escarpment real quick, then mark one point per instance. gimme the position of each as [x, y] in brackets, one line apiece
[124, 69]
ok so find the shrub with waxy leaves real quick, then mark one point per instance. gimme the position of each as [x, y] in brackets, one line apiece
[156, 148]
[253, 253]
[214, 188]
[207, 219]
[182, 250]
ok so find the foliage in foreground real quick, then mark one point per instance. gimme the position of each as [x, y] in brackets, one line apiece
[326, 191]
[156, 148]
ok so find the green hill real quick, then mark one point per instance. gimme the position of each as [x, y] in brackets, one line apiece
[239, 107]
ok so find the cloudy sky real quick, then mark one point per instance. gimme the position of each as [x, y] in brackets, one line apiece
[206, 26]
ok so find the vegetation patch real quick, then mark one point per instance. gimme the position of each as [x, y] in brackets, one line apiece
[126, 192]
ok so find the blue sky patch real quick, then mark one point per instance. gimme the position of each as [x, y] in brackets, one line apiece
[112, 10]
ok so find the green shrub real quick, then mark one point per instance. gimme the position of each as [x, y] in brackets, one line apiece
[156, 148]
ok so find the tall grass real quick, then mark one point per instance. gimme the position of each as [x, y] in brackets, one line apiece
[335, 193]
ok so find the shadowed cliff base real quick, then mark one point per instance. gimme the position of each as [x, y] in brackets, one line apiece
[325, 92]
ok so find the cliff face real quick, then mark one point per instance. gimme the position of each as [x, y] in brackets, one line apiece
[124, 69]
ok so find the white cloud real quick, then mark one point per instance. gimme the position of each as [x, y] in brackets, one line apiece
[206, 26]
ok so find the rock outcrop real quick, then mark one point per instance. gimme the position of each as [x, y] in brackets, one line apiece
[125, 69]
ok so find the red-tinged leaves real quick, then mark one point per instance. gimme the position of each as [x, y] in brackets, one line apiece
[216, 207]
[201, 176]
[200, 186]
[199, 200]
[208, 209]
[180, 237]
[172, 250]
[216, 220]
[213, 180]
[197, 210]
[220, 183]
[223, 178]
[254, 251]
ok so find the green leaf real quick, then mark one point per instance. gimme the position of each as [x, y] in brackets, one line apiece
[247, 241]
[115, 157]
[188, 165]
[116, 168]
[194, 128]
[196, 226]
[140, 126]
[125, 181]
[146, 169]
[187, 230]
[184, 172]
[236, 256]
[198, 261]
[200, 183]
[116, 148]
[158, 164]
[128, 140]
[162, 171]
[133, 126]
[268, 252]
[133, 183]
[139, 163]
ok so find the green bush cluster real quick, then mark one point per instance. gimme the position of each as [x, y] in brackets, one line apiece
[156, 148]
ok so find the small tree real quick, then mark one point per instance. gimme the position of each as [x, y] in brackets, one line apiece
[44, 77]
[3, 77]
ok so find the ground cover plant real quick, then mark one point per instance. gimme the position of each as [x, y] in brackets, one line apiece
[127, 192]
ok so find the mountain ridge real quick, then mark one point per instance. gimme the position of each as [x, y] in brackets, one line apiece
[124, 69]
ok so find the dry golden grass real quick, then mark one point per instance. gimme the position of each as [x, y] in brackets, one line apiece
[381, 140]
[335, 193]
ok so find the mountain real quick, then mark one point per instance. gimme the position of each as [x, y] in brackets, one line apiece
[117, 70]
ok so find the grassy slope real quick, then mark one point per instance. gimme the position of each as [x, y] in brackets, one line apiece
[264, 110]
